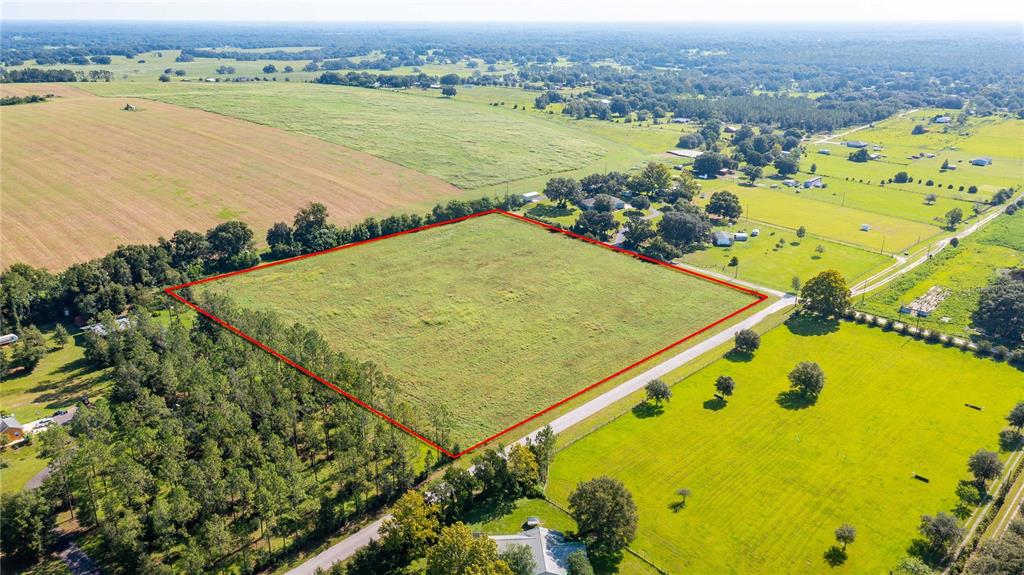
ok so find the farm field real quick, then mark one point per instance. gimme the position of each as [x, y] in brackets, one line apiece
[70, 196]
[479, 145]
[539, 322]
[963, 270]
[762, 262]
[771, 483]
[826, 219]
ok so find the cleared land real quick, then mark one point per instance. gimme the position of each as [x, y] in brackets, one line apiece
[491, 318]
[80, 176]
[469, 145]
[764, 262]
[963, 270]
[771, 479]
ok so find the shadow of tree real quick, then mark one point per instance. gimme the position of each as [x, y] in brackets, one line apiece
[494, 508]
[715, 404]
[737, 356]
[605, 563]
[794, 400]
[808, 325]
[646, 409]
[1010, 440]
[835, 556]
[677, 506]
[921, 549]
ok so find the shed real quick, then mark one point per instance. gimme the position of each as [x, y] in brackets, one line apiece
[755, 232]
[790, 183]
[982, 161]
[865, 228]
[814, 182]
[721, 239]
[532, 196]
[856, 144]
[10, 427]
[8, 339]
[740, 236]
[825, 152]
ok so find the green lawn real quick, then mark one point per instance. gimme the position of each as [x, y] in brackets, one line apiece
[492, 317]
[771, 483]
[964, 270]
[469, 145]
[19, 465]
[763, 262]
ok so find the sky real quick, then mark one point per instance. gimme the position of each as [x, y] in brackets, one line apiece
[1005, 11]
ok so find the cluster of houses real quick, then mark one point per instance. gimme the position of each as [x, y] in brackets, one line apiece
[723, 239]
[815, 182]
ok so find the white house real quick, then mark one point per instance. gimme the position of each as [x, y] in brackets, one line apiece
[549, 548]
[721, 239]
[814, 182]
[123, 323]
[740, 236]
[532, 196]
[8, 339]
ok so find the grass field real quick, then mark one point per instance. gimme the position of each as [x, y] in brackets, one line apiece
[70, 195]
[762, 262]
[964, 270]
[771, 483]
[469, 145]
[492, 317]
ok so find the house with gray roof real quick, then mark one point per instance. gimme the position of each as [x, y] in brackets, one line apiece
[549, 548]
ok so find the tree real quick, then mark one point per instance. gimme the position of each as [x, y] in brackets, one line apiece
[1016, 416]
[411, 529]
[859, 156]
[826, 294]
[747, 341]
[807, 378]
[846, 534]
[60, 335]
[658, 391]
[30, 349]
[954, 217]
[985, 466]
[901, 178]
[684, 228]
[605, 514]
[911, 565]
[449, 91]
[819, 249]
[814, 168]
[787, 165]
[709, 163]
[941, 531]
[164, 78]
[543, 448]
[725, 385]
[519, 559]
[801, 232]
[653, 178]
[228, 240]
[579, 564]
[28, 523]
[636, 232]
[458, 552]
[724, 204]
[522, 466]
[753, 173]
[307, 224]
[449, 79]
[1000, 311]
[596, 224]
[563, 191]
[1002, 555]
[918, 130]
[794, 283]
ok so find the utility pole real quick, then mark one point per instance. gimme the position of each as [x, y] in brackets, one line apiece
[882, 251]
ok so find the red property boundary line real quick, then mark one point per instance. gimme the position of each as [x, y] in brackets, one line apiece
[173, 292]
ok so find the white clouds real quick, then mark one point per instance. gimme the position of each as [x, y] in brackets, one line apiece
[520, 10]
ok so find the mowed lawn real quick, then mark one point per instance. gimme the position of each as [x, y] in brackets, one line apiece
[81, 176]
[963, 270]
[770, 484]
[492, 317]
[466, 144]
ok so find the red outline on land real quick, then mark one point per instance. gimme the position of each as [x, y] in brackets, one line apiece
[172, 291]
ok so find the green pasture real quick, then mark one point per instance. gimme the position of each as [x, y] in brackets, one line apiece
[468, 145]
[772, 476]
[963, 270]
[787, 209]
[491, 318]
[18, 465]
[763, 262]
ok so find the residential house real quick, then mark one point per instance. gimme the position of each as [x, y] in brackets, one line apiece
[123, 323]
[11, 429]
[790, 183]
[693, 154]
[721, 239]
[942, 119]
[549, 548]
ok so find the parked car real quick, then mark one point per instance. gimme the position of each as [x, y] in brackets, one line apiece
[59, 413]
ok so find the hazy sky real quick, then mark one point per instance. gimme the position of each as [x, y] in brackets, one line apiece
[520, 10]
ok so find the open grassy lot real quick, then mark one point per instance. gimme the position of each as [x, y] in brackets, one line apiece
[826, 219]
[70, 195]
[771, 479]
[763, 262]
[963, 270]
[492, 317]
[469, 145]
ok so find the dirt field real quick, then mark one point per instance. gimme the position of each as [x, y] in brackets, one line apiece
[70, 192]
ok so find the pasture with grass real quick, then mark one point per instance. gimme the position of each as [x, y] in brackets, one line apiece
[491, 319]
[772, 476]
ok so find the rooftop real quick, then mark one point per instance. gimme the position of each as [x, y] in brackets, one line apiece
[550, 549]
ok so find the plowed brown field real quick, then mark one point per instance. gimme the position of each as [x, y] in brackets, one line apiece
[79, 176]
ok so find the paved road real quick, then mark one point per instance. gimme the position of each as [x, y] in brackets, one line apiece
[341, 550]
[77, 561]
[348, 546]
